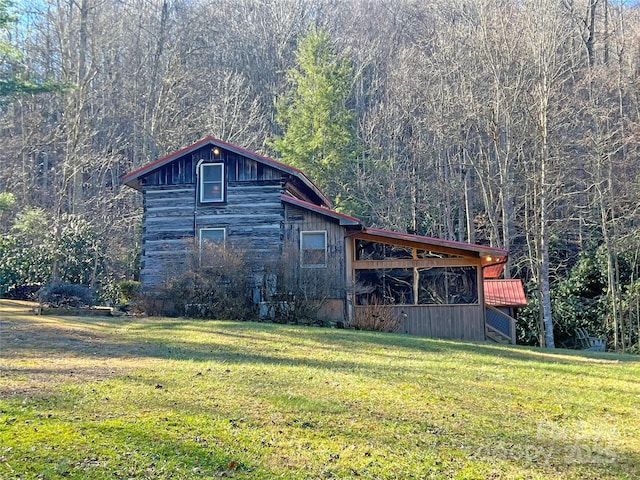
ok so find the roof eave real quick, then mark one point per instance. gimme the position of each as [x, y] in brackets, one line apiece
[490, 255]
[132, 179]
[343, 220]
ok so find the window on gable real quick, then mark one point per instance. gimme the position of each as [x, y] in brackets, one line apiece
[211, 182]
[313, 249]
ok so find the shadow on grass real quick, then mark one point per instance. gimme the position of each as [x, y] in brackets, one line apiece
[166, 340]
[119, 336]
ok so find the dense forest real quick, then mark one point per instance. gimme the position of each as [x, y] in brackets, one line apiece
[508, 123]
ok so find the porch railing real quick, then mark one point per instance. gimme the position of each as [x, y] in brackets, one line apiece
[500, 327]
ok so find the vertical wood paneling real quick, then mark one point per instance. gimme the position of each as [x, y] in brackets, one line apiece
[298, 220]
[462, 322]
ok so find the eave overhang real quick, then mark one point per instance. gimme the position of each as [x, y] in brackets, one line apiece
[492, 259]
[343, 220]
[132, 179]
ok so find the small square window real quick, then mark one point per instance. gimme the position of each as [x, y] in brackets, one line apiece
[313, 249]
[211, 182]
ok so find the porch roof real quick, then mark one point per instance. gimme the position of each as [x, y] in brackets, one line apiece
[504, 293]
[492, 258]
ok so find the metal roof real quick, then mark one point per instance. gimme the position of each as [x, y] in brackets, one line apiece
[504, 293]
[492, 258]
[343, 219]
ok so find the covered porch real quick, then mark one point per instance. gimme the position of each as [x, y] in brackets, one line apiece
[434, 287]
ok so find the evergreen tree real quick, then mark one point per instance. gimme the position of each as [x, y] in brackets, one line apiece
[318, 127]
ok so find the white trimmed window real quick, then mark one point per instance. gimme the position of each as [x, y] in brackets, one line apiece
[313, 249]
[211, 182]
[212, 236]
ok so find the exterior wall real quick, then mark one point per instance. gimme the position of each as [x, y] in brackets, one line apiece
[330, 280]
[251, 212]
[461, 322]
[252, 216]
[167, 230]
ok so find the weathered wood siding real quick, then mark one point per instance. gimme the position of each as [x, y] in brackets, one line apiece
[167, 231]
[252, 217]
[461, 322]
[333, 275]
[252, 213]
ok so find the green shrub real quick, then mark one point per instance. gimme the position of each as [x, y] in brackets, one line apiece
[129, 290]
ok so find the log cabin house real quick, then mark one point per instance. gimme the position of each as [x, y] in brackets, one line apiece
[213, 191]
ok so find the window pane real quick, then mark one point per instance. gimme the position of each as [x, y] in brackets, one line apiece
[384, 286]
[313, 249]
[448, 285]
[463, 285]
[432, 286]
[212, 235]
[212, 183]
[366, 250]
[212, 173]
[313, 240]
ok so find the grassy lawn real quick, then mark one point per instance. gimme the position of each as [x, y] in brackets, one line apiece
[91, 397]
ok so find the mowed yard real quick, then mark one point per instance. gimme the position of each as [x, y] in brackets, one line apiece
[100, 397]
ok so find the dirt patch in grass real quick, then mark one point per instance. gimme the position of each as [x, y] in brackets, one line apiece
[40, 353]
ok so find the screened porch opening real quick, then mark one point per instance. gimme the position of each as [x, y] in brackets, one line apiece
[455, 285]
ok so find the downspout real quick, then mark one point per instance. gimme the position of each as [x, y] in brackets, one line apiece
[195, 202]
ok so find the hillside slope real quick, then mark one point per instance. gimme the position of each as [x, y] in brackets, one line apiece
[177, 398]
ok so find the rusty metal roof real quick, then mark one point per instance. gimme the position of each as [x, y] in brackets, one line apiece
[504, 293]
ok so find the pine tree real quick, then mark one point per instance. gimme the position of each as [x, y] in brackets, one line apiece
[318, 127]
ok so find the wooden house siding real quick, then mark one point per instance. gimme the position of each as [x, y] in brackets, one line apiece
[252, 216]
[434, 285]
[462, 322]
[299, 220]
[167, 230]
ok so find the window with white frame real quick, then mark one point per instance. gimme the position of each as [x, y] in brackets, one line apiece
[210, 241]
[212, 236]
[211, 182]
[313, 249]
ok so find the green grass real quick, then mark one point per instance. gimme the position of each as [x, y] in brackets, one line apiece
[173, 398]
